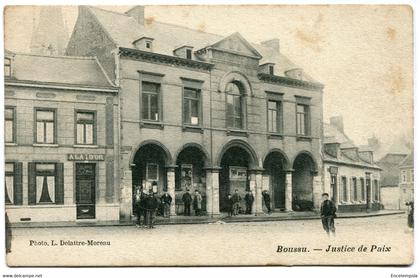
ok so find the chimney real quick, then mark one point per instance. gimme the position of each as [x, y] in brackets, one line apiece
[137, 12]
[338, 123]
[273, 43]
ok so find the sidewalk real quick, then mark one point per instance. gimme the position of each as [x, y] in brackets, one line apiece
[222, 218]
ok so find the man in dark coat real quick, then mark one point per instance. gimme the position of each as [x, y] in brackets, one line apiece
[152, 204]
[249, 200]
[166, 201]
[328, 211]
[267, 200]
[187, 199]
[236, 202]
[229, 205]
[139, 206]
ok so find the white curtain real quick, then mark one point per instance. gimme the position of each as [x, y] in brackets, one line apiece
[51, 187]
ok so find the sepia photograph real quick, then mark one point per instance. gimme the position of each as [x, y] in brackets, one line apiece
[208, 135]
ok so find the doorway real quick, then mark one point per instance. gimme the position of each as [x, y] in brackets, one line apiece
[85, 190]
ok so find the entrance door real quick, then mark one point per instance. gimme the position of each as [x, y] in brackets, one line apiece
[85, 190]
[278, 188]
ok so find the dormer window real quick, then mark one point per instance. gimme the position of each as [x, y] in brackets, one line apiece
[267, 68]
[144, 43]
[184, 51]
[7, 67]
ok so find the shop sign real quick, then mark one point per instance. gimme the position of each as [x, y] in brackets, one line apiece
[85, 157]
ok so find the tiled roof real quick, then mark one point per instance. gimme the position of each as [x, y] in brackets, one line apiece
[80, 71]
[124, 29]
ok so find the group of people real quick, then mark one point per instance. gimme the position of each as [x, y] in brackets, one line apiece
[233, 202]
[196, 201]
[147, 204]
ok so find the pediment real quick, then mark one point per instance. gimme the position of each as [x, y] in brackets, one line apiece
[235, 43]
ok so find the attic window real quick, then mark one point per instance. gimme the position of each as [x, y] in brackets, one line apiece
[149, 45]
[271, 69]
[188, 54]
[7, 67]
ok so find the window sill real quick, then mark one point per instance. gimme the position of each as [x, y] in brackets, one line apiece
[85, 146]
[275, 136]
[153, 125]
[10, 144]
[235, 132]
[45, 145]
[191, 128]
[303, 138]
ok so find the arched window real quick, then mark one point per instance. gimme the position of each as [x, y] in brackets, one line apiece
[235, 105]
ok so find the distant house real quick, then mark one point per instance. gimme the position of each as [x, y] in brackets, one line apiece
[406, 184]
[351, 175]
[390, 179]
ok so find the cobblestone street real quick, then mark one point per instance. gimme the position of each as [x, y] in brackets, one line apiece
[387, 239]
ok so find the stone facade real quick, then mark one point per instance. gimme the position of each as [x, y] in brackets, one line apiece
[27, 96]
[208, 154]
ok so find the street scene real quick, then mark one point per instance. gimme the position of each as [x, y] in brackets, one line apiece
[218, 244]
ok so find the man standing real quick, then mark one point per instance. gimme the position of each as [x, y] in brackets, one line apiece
[267, 200]
[197, 203]
[236, 200]
[328, 210]
[166, 201]
[249, 200]
[229, 205]
[186, 199]
[139, 205]
[151, 206]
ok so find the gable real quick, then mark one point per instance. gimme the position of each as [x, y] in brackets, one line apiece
[235, 43]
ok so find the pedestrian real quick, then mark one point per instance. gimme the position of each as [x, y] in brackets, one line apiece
[410, 221]
[187, 199]
[249, 200]
[236, 202]
[166, 201]
[229, 204]
[266, 198]
[328, 211]
[197, 203]
[138, 205]
[151, 206]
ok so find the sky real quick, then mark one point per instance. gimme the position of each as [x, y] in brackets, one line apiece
[362, 54]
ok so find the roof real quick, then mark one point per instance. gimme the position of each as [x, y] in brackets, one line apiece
[333, 135]
[64, 70]
[408, 161]
[389, 164]
[123, 30]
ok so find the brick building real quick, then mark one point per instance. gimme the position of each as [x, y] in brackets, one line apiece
[60, 144]
[206, 112]
[351, 175]
[406, 184]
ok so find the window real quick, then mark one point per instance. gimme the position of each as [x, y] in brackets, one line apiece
[274, 116]
[150, 101]
[412, 175]
[354, 185]
[85, 128]
[152, 172]
[344, 189]
[188, 54]
[234, 99]
[302, 119]
[362, 189]
[45, 126]
[191, 106]
[45, 183]
[149, 45]
[271, 69]
[376, 190]
[403, 176]
[9, 182]
[9, 125]
[7, 67]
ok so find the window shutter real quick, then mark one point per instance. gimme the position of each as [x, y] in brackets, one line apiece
[31, 184]
[59, 184]
[17, 186]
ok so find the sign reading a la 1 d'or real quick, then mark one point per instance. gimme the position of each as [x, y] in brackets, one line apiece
[85, 157]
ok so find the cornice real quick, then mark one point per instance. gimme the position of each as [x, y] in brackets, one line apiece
[314, 86]
[164, 59]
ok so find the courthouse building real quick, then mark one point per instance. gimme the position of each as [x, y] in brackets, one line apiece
[351, 175]
[204, 112]
[60, 140]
